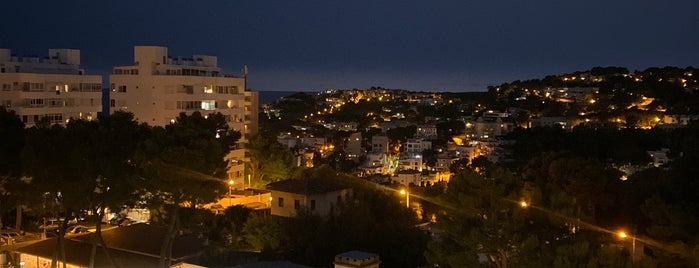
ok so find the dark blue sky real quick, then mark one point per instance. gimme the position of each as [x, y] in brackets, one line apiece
[449, 45]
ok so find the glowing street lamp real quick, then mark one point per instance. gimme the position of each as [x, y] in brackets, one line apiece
[523, 204]
[407, 197]
[622, 235]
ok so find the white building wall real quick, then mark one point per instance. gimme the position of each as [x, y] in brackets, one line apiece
[411, 164]
[158, 88]
[408, 178]
[54, 88]
[324, 202]
[417, 145]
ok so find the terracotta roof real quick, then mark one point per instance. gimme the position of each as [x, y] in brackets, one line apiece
[307, 186]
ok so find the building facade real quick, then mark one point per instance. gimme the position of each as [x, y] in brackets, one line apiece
[426, 131]
[157, 88]
[417, 145]
[379, 144]
[315, 196]
[52, 89]
[354, 148]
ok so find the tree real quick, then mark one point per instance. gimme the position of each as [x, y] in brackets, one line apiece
[183, 163]
[66, 172]
[86, 166]
[270, 160]
[12, 135]
[582, 179]
[401, 133]
[483, 221]
[264, 233]
[113, 140]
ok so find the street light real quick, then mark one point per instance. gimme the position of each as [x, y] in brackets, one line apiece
[407, 197]
[523, 204]
[623, 235]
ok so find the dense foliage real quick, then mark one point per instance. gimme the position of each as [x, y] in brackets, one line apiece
[576, 202]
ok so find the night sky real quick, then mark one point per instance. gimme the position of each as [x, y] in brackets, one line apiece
[296, 45]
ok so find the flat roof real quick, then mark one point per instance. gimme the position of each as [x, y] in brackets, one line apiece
[137, 245]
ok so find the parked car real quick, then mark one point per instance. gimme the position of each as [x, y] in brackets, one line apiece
[117, 219]
[77, 229]
[49, 224]
[121, 220]
[12, 237]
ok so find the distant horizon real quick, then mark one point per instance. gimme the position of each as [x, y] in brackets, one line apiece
[450, 46]
[366, 85]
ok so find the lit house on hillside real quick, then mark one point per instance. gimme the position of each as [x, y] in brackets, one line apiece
[354, 148]
[426, 131]
[379, 144]
[157, 88]
[53, 88]
[316, 196]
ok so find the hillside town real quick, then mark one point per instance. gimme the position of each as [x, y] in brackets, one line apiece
[176, 164]
[414, 137]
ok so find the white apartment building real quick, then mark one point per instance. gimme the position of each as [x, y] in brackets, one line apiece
[411, 163]
[379, 144]
[52, 88]
[157, 88]
[408, 177]
[552, 121]
[417, 145]
[426, 131]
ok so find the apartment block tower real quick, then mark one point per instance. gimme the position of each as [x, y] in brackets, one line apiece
[51, 88]
[157, 88]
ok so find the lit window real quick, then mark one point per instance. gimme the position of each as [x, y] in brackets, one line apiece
[208, 105]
